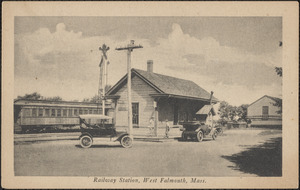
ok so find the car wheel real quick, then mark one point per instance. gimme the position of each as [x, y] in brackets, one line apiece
[220, 131]
[200, 136]
[86, 141]
[126, 141]
[214, 135]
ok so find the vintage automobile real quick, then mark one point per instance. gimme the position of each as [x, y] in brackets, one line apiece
[100, 126]
[197, 129]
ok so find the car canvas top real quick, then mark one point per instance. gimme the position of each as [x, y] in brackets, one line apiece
[94, 116]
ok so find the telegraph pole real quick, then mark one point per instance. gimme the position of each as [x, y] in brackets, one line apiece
[103, 75]
[129, 49]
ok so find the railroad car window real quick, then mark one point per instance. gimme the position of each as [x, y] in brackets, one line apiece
[59, 113]
[34, 112]
[53, 112]
[80, 111]
[90, 111]
[86, 111]
[70, 112]
[75, 111]
[41, 112]
[26, 112]
[47, 112]
[65, 113]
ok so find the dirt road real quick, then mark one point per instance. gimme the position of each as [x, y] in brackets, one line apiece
[236, 153]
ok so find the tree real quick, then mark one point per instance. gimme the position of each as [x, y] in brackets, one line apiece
[229, 113]
[32, 96]
[96, 98]
[278, 102]
[226, 111]
[38, 96]
[242, 111]
[55, 98]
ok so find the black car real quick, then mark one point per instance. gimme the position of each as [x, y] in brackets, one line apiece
[197, 130]
[101, 126]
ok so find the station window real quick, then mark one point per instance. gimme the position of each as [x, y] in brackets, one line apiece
[94, 111]
[86, 111]
[80, 112]
[75, 111]
[59, 113]
[47, 112]
[65, 113]
[41, 112]
[34, 112]
[90, 111]
[52, 112]
[70, 112]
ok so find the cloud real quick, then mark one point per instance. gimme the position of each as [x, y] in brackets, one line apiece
[65, 63]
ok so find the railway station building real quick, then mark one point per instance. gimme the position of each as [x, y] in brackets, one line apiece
[158, 97]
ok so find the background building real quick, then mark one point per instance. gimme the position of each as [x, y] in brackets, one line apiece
[264, 112]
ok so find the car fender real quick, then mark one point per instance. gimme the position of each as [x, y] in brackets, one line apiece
[121, 136]
[83, 134]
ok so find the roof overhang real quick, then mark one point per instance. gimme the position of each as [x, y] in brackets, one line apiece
[112, 96]
[205, 110]
[181, 97]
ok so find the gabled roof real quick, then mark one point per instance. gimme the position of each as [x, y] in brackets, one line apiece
[205, 110]
[166, 85]
[275, 99]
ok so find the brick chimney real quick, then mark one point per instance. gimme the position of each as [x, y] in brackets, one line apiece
[150, 66]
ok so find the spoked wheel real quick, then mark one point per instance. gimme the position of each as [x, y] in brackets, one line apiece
[126, 141]
[220, 131]
[214, 135]
[200, 136]
[86, 141]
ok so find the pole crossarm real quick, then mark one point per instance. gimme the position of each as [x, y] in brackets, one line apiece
[129, 47]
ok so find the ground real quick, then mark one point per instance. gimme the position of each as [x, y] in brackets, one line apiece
[239, 152]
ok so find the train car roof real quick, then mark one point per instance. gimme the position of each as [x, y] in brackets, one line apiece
[26, 102]
[94, 116]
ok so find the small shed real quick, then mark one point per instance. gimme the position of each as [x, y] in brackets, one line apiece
[204, 112]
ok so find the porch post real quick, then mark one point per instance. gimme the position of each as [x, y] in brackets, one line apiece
[155, 118]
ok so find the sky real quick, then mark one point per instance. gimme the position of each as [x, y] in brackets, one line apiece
[233, 56]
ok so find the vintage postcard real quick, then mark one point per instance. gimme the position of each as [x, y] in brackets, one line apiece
[150, 95]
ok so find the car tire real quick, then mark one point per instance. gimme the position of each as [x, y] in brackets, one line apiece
[200, 136]
[126, 141]
[86, 141]
[220, 131]
[214, 135]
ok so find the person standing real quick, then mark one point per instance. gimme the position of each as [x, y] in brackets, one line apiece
[167, 129]
[151, 127]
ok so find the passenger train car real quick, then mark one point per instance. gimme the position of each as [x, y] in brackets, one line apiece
[37, 115]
